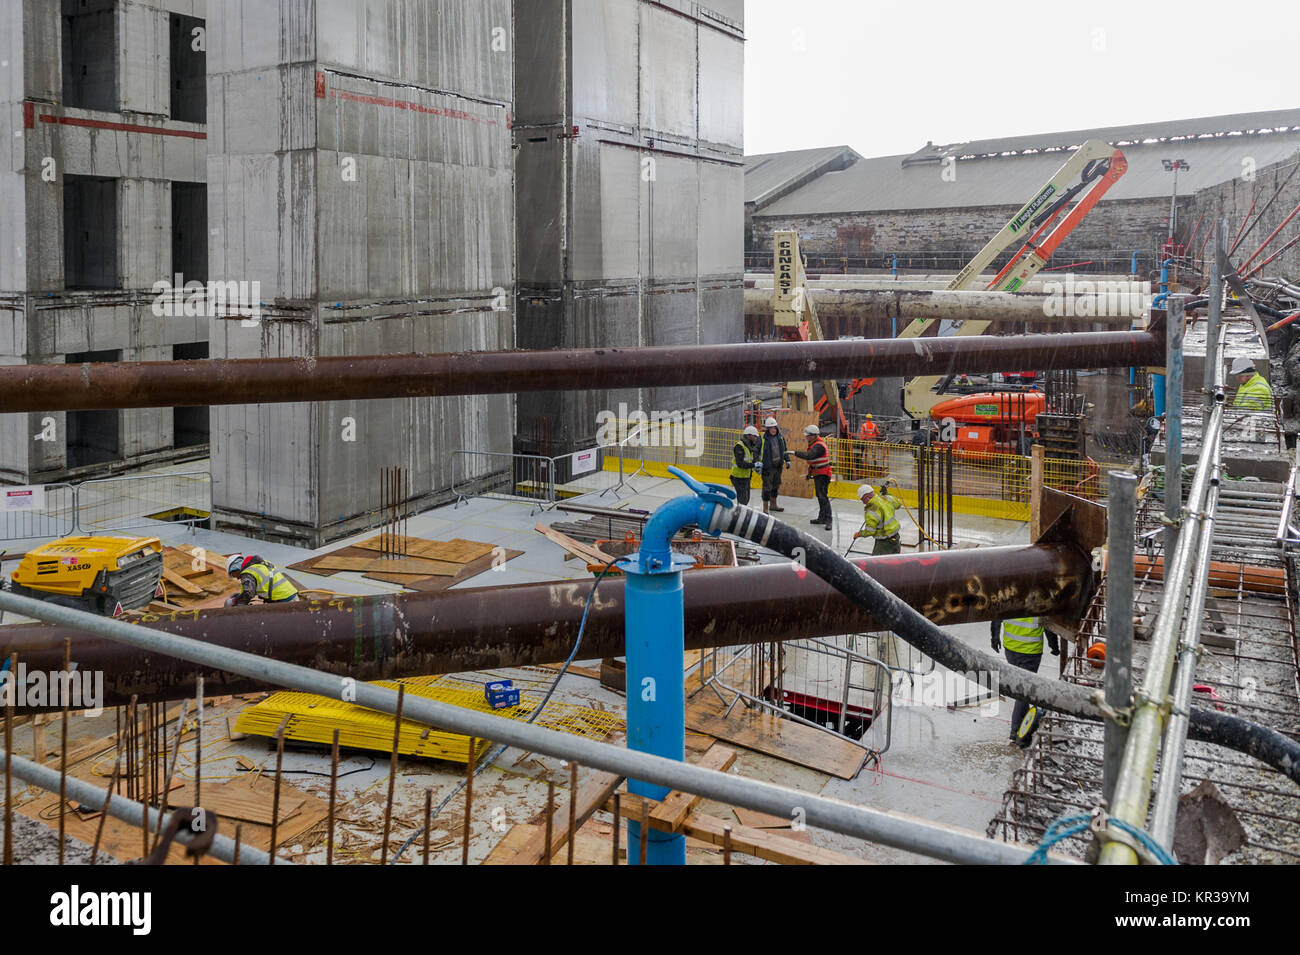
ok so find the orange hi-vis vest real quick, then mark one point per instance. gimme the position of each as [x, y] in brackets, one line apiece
[820, 465]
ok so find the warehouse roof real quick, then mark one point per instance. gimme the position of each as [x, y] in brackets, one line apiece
[768, 176]
[996, 172]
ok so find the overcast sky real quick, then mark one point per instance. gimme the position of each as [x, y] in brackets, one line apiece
[885, 76]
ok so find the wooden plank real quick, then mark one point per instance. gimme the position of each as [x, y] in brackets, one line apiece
[759, 820]
[239, 803]
[587, 849]
[590, 797]
[176, 580]
[404, 565]
[774, 736]
[592, 555]
[769, 844]
[772, 845]
[676, 806]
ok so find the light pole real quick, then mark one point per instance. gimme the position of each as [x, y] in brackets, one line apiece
[1174, 165]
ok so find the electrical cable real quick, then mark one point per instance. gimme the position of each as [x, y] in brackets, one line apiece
[501, 747]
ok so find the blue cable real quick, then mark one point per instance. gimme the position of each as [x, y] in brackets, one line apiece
[1067, 826]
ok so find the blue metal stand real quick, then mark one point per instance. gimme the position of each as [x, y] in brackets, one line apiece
[654, 621]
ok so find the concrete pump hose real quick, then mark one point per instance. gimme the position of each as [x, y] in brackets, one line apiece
[1266, 745]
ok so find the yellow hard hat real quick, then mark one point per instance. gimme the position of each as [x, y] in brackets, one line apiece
[868, 417]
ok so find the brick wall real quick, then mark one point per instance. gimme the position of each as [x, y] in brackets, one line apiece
[1124, 227]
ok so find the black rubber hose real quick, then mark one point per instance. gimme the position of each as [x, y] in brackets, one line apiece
[1278, 751]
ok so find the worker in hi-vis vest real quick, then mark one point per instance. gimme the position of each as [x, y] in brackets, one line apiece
[1021, 641]
[1254, 392]
[258, 578]
[818, 456]
[745, 453]
[878, 518]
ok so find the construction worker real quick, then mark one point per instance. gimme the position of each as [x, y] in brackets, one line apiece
[773, 458]
[258, 578]
[1254, 393]
[818, 456]
[1021, 641]
[745, 453]
[878, 518]
[869, 430]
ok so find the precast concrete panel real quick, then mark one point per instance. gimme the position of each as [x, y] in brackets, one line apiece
[668, 73]
[31, 29]
[605, 57]
[143, 52]
[144, 232]
[674, 210]
[541, 85]
[721, 89]
[721, 242]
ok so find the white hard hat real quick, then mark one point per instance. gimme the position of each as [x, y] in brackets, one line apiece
[234, 563]
[865, 490]
[751, 430]
[769, 423]
[812, 429]
[1242, 366]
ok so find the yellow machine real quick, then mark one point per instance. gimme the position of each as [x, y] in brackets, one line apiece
[92, 573]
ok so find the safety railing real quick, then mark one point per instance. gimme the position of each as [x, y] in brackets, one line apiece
[130, 502]
[136, 501]
[501, 474]
[56, 517]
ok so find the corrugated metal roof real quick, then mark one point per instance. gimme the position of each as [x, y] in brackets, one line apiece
[884, 183]
[768, 173]
[1281, 120]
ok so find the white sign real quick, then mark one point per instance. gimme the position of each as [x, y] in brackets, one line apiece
[22, 498]
[584, 461]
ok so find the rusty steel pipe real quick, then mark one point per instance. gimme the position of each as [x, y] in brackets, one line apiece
[386, 636]
[166, 384]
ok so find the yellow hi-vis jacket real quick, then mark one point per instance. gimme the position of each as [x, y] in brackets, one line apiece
[1023, 635]
[743, 452]
[1254, 395]
[878, 516]
[272, 585]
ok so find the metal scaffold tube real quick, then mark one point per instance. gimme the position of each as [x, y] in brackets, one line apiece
[1188, 564]
[238, 381]
[886, 828]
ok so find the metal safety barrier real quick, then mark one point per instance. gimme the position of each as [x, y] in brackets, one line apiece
[502, 474]
[130, 502]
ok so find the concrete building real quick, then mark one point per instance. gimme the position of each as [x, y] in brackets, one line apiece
[952, 198]
[361, 172]
[101, 187]
[629, 167]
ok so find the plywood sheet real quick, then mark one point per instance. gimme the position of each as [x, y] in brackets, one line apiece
[404, 565]
[776, 737]
[457, 550]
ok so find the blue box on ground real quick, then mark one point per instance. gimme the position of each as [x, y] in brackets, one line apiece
[500, 694]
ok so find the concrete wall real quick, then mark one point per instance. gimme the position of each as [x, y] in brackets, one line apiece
[360, 170]
[106, 171]
[630, 192]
